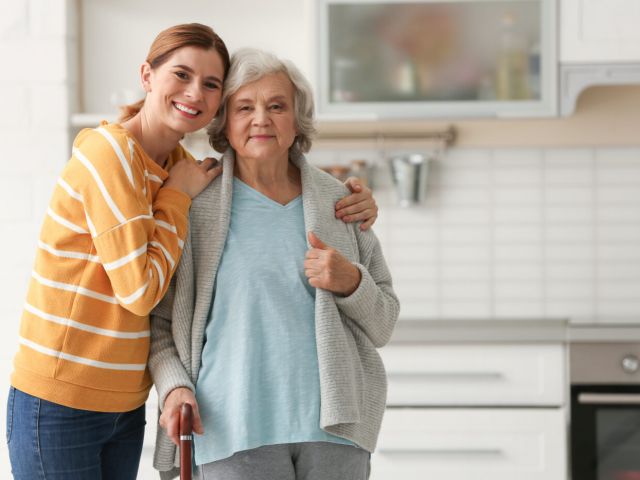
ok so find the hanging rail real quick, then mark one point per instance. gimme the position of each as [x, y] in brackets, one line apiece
[447, 136]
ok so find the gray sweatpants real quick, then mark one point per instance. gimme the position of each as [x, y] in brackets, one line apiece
[292, 461]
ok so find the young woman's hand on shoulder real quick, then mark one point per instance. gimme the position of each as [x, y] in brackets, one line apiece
[359, 206]
[192, 178]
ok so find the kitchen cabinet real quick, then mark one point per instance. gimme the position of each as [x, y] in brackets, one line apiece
[420, 59]
[599, 31]
[484, 411]
[599, 45]
[468, 443]
[486, 375]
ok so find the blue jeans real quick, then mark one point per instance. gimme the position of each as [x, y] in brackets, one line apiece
[54, 442]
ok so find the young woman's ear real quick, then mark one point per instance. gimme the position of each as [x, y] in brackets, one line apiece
[145, 76]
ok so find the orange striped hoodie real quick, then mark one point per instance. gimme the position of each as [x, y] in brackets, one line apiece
[109, 244]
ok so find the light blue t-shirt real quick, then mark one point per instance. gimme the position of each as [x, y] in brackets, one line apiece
[259, 381]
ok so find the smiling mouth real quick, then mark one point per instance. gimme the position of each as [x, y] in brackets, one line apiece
[186, 110]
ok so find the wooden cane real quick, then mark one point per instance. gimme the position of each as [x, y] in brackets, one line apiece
[186, 438]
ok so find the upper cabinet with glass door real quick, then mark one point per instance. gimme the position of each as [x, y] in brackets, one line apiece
[424, 59]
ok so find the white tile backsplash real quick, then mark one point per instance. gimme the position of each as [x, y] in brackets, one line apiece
[568, 213]
[566, 270]
[578, 174]
[521, 232]
[623, 213]
[517, 271]
[611, 271]
[617, 252]
[575, 289]
[568, 195]
[524, 195]
[454, 234]
[518, 176]
[453, 196]
[465, 309]
[458, 177]
[466, 272]
[569, 233]
[583, 252]
[465, 290]
[618, 195]
[615, 175]
[471, 253]
[624, 290]
[518, 290]
[511, 214]
[621, 310]
[520, 309]
[518, 233]
[518, 252]
[518, 158]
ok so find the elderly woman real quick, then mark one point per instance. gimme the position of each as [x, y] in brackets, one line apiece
[272, 340]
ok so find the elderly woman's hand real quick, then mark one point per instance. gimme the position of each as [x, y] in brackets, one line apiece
[170, 418]
[326, 268]
[360, 206]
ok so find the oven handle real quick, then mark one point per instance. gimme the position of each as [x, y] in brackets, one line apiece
[590, 398]
[437, 451]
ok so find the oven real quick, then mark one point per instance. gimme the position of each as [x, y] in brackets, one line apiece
[605, 411]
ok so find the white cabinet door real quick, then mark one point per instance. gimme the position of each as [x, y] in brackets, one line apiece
[471, 444]
[475, 375]
[599, 31]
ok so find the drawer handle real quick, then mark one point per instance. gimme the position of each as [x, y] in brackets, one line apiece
[443, 375]
[589, 398]
[444, 451]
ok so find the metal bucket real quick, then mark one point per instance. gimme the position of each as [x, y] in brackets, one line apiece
[409, 174]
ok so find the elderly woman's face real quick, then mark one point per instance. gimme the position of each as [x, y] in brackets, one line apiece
[261, 119]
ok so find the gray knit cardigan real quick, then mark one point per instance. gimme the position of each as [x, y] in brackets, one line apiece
[348, 329]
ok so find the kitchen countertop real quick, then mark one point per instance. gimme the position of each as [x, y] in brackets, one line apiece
[525, 330]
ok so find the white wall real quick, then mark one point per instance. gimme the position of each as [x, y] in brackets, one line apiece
[282, 26]
[34, 39]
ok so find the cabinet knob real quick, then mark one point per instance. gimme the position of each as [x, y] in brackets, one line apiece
[630, 363]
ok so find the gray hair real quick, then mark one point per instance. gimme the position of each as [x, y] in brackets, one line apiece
[249, 65]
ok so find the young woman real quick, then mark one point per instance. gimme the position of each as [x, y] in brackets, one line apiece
[111, 241]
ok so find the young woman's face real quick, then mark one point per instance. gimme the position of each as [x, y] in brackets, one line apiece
[184, 92]
[261, 119]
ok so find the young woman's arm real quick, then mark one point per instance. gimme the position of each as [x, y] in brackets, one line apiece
[169, 375]
[138, 242]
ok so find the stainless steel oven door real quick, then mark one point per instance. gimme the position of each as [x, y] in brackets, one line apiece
[605, 432]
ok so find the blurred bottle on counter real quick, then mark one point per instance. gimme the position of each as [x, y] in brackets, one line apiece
[340, 172]
[534, 70]
[361, 169]
[356, 168]
[486, 88]
[344, 80]
[512, 67]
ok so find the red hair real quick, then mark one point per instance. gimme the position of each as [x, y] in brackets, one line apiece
[172, 39]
